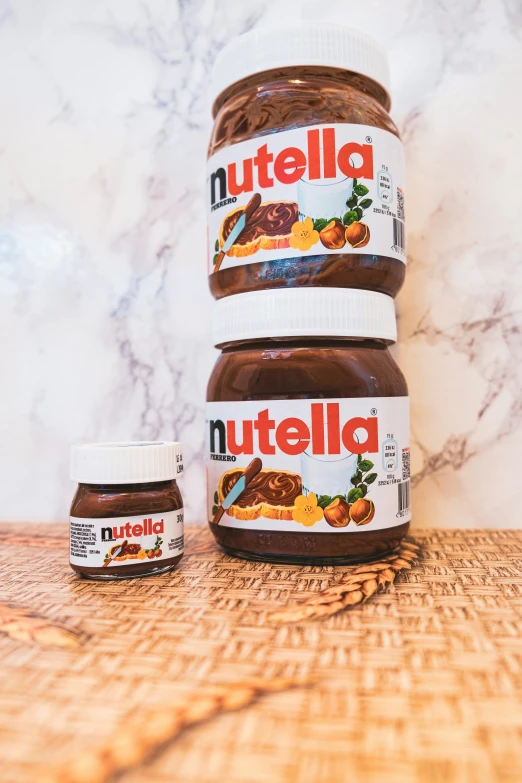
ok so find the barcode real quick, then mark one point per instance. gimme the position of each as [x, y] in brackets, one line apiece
[405, 464]
[404, 495]
[398, 233]
[400, 204]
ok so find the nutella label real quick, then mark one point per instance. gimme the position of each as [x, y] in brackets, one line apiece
[336, 465]
[319, 190]
[119, 541]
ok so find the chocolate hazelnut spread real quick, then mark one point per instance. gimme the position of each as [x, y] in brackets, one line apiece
[268, 220]
[268, 486]
[301, 117]
[323, 407]
[127, 513]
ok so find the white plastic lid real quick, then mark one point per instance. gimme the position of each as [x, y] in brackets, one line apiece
[302, 44]
[126, 463]
[304, 312]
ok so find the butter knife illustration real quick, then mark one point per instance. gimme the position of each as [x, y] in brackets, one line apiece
[239, 487]
[111, 558]
[238, 229]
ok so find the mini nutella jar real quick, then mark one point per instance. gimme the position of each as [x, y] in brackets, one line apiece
[127, 514]
[305, 182]
[307, 427]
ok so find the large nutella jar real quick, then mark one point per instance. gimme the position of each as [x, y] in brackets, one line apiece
[305, 182]
[308, 456]
[127, 514]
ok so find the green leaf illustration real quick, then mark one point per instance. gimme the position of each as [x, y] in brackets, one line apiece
[352, 202]
[215, 259]
[357, 478]
[370, 478]
[365, 465]
[359, 212]
[216, 499]
[350, 217]
[361, 190]
[359, 459]
[214, 510]
[366, 202]
[320, 223]
[216, 246]
[354, 494]
[324, 500]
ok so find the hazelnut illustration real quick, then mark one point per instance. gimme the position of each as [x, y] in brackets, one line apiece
[337, 514]
[362, 511]
[357, 234]
[332, 236]
[151, 554]
[158, 553]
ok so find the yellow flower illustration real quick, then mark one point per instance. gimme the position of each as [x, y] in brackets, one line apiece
[306, 510]
[304, 235]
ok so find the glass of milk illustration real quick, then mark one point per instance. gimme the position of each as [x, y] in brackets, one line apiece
[324, 198]
[327, 474]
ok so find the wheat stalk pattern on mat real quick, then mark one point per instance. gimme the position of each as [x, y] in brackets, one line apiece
[22, 625]
[363, 582]
[144, 734]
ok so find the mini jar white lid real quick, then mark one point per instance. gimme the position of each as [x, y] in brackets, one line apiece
[134, 462]
[331, 45]
[304, 312]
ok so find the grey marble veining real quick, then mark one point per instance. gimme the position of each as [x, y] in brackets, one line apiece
[104, 304]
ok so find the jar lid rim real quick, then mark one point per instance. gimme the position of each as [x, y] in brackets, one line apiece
[328, 45]
[306, 313]
[126, 462]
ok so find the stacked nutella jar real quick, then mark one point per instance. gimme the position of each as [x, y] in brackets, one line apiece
[307, 413]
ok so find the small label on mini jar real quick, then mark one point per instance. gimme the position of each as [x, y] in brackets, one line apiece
[324, 189]
[119, 541]
[339, 465]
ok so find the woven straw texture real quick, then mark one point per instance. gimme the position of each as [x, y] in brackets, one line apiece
[421, 683]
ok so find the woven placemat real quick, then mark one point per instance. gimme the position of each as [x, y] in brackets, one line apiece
[422, 683]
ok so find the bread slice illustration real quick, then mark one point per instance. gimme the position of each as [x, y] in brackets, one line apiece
[269, 228]
[270, 494]
[129, 551]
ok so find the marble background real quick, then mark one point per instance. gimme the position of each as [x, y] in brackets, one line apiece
[104, 310]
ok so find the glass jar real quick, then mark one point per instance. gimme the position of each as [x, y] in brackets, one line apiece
[126, 517]
[303, 148]
[307, 427]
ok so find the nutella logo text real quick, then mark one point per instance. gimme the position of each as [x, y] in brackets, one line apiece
[129, 530]
[325, 433]
[321, 160]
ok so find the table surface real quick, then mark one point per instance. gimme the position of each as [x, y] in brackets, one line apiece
[422, 683]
